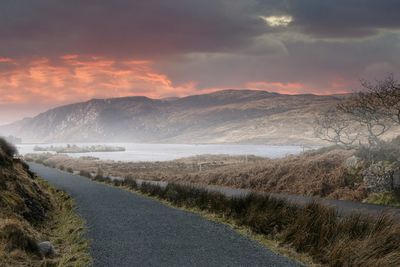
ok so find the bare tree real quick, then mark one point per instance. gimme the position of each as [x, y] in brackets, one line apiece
[387, 94]
[363, 118]
[336, 128]
[365, 109]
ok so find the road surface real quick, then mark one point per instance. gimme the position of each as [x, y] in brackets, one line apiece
[127, 229]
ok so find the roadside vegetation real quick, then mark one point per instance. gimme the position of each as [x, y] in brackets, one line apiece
[369, 123]
[328, 172]
[32, 212]
[314, 230]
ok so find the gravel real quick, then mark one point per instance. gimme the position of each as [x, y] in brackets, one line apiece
[127, 229]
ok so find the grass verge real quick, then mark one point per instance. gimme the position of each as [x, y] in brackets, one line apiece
[61, 226]
[68, 231]
[314, 230]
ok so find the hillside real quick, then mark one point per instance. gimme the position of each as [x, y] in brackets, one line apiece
[31, 212]
[230, 116]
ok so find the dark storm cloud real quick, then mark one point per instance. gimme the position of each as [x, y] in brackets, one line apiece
[107, 48]
[158, 27]
[128, 28]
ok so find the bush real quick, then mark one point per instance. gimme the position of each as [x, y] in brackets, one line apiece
[8, 148]
[16, 236]
[130, 183]
[385, 151]
[85, 173]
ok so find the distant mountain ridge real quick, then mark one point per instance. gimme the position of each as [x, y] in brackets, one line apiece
[228, 116]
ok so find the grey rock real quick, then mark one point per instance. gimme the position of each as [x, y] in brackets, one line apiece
[352, 162]
[379, 177]
[396, 179]
[46, 249]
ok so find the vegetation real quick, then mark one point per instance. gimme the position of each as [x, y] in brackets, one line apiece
[8, 150]
[364, 118]
[314, 173]
[362, 123]
[31, 211]
[318, 231]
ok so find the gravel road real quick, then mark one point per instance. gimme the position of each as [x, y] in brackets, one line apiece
[127, 229]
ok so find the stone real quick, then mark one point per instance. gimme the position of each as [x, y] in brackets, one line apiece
[396, 179]
[378, 177]
[352, 162]
[46, 249]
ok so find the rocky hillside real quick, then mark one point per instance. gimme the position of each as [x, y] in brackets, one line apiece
[230, 116]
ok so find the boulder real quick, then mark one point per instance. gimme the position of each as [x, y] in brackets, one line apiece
[46, 249]
[396, 179]
[379, 177]
[352, 162]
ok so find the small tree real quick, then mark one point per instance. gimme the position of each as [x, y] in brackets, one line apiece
[363, 118]
[366, 111]
[387, 94]
[8, 148]
[336, 128]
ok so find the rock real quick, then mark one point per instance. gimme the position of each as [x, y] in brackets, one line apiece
[396, 179]
[46, 249]
[379, 177]
[352, 162]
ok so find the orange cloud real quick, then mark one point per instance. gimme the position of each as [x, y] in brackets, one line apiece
[75, 78]
[38, 84]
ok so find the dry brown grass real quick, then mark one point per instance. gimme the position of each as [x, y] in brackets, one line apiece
[315, 173]
[30, 212]
[314, 230]
[317, 230]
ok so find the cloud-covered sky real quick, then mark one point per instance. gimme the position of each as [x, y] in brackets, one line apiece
[59, 52]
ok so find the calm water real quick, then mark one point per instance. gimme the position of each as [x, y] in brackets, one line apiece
[164, 152]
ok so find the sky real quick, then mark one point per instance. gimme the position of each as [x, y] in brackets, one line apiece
[59, 52]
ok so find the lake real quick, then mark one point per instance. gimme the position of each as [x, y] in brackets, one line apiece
[165, 152]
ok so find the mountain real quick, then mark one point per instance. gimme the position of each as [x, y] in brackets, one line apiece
[228, 116]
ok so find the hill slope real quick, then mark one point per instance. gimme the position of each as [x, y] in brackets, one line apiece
[31, 211]
[234, 116]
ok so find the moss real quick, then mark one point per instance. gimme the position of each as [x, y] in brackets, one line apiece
[384, 198]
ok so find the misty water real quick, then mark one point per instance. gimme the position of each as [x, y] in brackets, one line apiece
[164, 152]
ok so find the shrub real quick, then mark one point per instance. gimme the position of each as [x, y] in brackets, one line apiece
[385, 151]
[8, 148]
[130, 183]
[16, 236]
[85, 173]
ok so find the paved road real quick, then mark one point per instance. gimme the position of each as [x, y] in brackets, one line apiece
[129, 230]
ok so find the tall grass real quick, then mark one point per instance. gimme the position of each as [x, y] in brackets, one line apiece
[355, 240]
[314, 229]
[314, 173]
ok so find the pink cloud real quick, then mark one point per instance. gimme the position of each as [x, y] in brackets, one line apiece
[77, 78]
